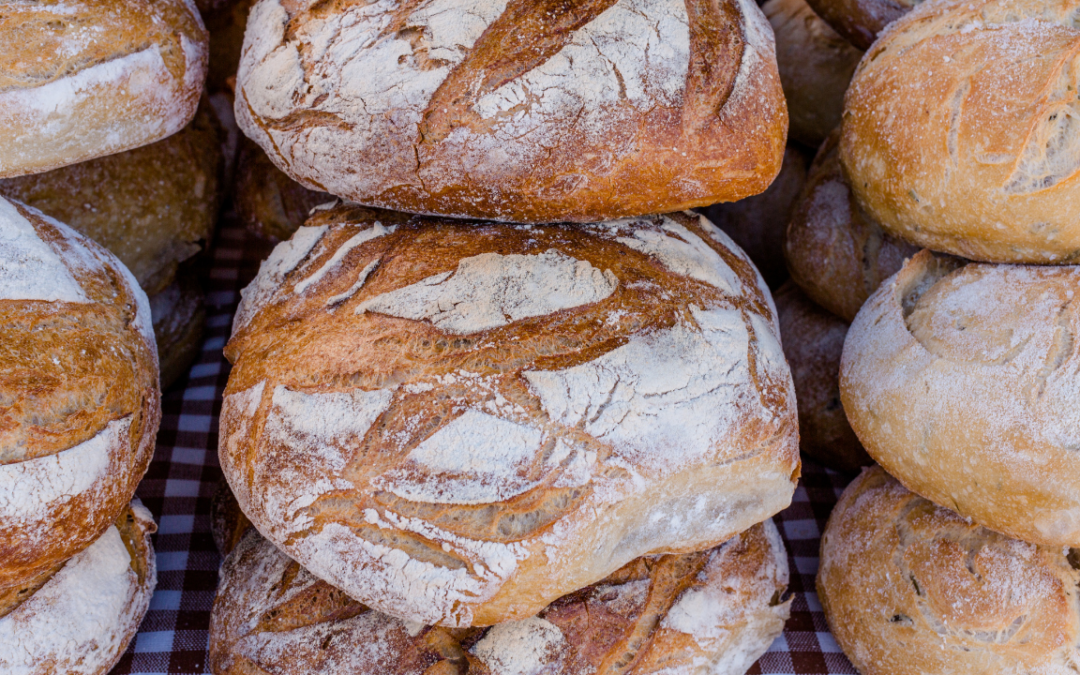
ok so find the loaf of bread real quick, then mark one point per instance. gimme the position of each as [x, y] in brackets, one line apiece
[813, 344]
[963, 381]
[271, 204]
[530, 111]
[712, 612]
[757, 223]
[960, 130]
[860, 21]
[459, 422]
[79, 618]
[835, 252]
[910, 588]
[815, 65]
[79, 392]
[85, 78]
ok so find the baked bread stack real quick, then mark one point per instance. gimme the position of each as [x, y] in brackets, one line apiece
[521, 425]
[959, 374]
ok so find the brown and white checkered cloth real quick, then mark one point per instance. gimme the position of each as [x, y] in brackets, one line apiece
[184, 474]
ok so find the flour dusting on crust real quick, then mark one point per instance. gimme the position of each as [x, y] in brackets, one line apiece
[29, 268]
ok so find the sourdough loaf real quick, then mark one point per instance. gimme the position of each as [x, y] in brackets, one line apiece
[459, 422]
[523, 110]
[713, 612]
[79, 397]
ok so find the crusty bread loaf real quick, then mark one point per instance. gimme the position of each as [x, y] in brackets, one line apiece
[79, 398]
[525, 111]
[757, 223]
[813, 344]
[815, 65]
[910, 588]
[153, 206]
[86, 78]
[835, 252]
[271, 204]
[79, 619]
[860, 21]
[961, 130]
[458, 422]
[963, 381]
[179, 315]
[712, 612]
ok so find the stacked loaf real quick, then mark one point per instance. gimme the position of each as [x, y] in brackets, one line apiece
[959, 371]
[521, 424]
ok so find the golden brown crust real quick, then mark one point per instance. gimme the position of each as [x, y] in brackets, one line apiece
[959, 130]
[910, 588]
[757, 223]
[153, 207]
[179, 314]
[962, 379]
[517, 110]
[860, 21]
[88, 78]
[271, 204]
[271, 615]
[835, 252]
[813, 344]
[815, 65]
[412, 336]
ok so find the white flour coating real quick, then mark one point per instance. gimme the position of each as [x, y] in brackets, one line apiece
[528, 647]
[492, 290]
[30, 490]
[373, 232]
[79, 617]
[759, 49]
[284, 259]
[686, 254]
[360, 281]
[237, 413]
[29, 268]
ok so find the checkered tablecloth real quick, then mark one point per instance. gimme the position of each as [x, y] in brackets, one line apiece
[184, 474]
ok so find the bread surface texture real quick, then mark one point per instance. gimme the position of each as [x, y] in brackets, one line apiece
[708, 613]
[910, 588]
[459, 422]
[271, 204]
[516, 110]
[962, 381]
[80, 619]
[860, 21]
[960, 130]
[835, 251]
[813, 341]
[79, 397]
[87, 78]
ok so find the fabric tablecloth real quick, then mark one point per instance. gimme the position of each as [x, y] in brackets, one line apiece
[184, 474]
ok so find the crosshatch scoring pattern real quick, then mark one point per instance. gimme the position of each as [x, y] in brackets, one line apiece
[184, 474]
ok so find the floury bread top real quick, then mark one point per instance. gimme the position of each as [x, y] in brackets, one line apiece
[458, 422]
[519, 110]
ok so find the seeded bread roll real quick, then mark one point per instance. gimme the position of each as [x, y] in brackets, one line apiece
[757, 223]
[712, 612]
[79, 619]
[960, 132]
[813, 344]
[815, 65]
[860, 21]
[835, 252]
[271, 204]
[86, 78]
[459, 422]
[79, 397]
[962, 380]
[524, 110]
[910, 588]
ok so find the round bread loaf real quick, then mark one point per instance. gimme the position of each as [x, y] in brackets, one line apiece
[813, 344]
[526, 111]
[458, 422]
[835, 252]
[712, 612]
[757, 223]
[963, 381]
[910, 588]
[85, 78]
[815, 65]
[271, 204]
[860, 21]
[960, 132]
[179, 314]
[79, 619]
[79, 397]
